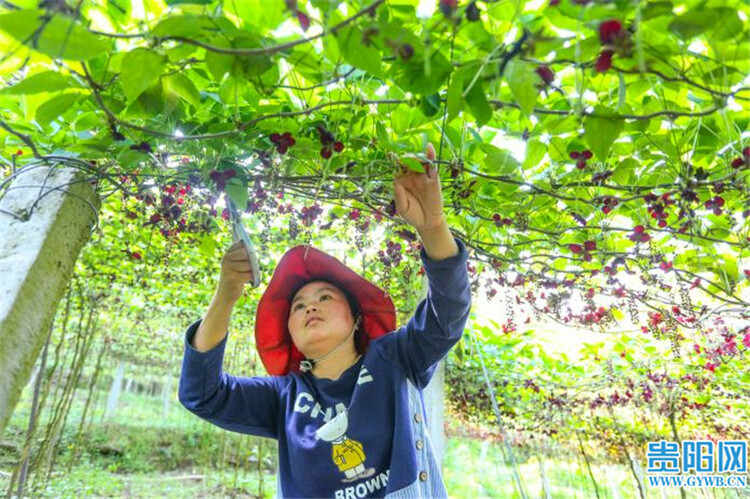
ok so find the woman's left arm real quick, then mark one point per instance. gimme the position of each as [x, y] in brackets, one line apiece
[438, 321]
[438, 242]
[440, 318]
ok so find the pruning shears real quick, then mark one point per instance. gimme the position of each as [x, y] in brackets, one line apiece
[240, 234]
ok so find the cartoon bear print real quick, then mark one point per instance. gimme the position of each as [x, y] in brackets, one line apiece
[348, 454]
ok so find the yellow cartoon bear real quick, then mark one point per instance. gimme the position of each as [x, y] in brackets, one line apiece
[348, 454]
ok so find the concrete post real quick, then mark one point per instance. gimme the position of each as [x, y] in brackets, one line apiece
[434, 401]
[46, 217]
[114, 390]
[166, 394]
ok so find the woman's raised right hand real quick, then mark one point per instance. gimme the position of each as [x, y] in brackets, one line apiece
[235, 272]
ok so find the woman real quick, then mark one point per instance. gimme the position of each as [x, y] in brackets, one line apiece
[344, 399]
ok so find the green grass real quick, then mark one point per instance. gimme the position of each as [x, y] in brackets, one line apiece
[476, 468]
[89, 480]
[142, 452]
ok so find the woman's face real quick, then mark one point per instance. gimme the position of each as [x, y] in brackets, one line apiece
[319, 319]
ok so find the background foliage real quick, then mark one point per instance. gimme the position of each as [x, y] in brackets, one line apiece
[593, 154]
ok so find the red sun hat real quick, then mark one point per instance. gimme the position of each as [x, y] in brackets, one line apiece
[297, 267]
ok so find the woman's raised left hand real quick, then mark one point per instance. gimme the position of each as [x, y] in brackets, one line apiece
[419, 198]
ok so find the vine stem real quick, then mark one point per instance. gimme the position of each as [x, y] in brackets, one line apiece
[445, 111]
[588, 464]
[248, 52]
[33, 414]
[242, 126]
[506, 444]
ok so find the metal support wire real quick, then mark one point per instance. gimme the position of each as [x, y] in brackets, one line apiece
[506, 448]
